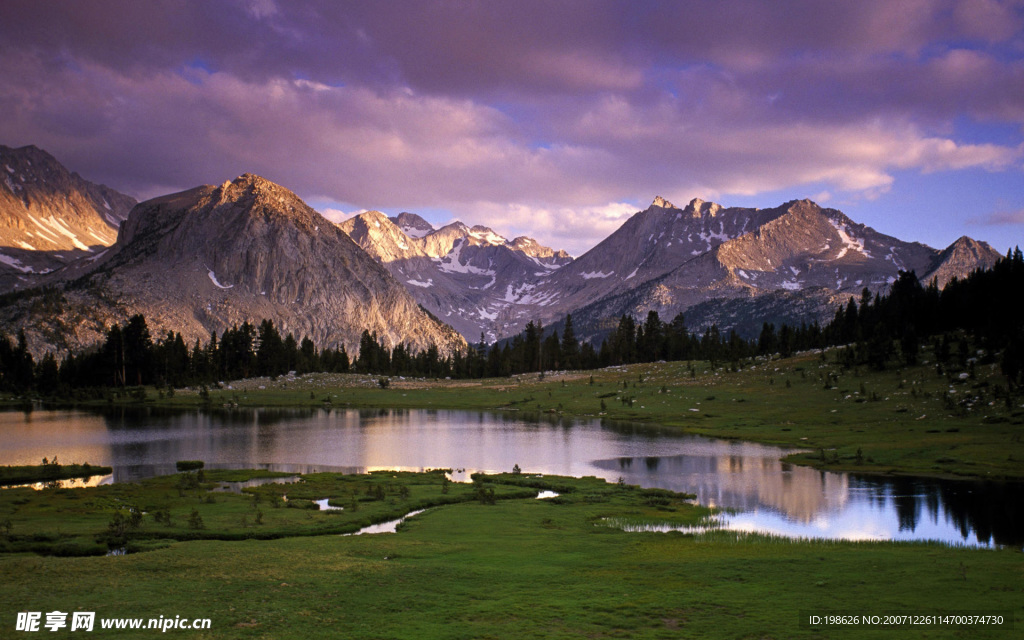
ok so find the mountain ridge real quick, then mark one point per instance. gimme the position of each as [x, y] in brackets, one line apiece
[666, 259]
[464, 275]
[814, 256]
[254, 249]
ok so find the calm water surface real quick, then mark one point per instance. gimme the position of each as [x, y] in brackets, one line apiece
[763, 494]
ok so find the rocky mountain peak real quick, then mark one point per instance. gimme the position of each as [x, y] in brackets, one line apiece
[663, 203]
[807, 205]
[960, 258]
[699, 208]
[412, 225]
[486, 235]
[375, 218]
[970, 244]
[251, 187]
[240, 203]
[530, 247]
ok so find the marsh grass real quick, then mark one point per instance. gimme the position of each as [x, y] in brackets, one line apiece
[520, 568]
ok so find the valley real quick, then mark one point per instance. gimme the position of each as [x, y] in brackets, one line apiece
[511, 320]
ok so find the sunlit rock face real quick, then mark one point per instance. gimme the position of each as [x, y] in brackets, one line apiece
[50, 217]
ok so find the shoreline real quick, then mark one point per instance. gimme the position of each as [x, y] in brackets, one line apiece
[911, 430]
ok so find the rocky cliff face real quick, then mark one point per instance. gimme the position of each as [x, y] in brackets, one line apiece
[205, 259]
[49, 216]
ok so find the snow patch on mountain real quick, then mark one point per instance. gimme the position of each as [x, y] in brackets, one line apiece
[849, 242]
[213, 279]
[544, 265]
[451, 263]
[14, 262]
[413, 232]
[486, 235]
[62, 229]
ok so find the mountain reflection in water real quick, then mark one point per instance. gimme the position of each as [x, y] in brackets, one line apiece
[762, 493]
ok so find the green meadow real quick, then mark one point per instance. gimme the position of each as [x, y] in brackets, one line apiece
[476, 565]
[490, 560]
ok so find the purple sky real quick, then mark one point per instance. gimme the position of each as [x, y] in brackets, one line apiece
[552, 119]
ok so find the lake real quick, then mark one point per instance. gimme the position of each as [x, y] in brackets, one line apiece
[760, 493]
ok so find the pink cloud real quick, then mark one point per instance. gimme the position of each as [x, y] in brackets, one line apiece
[1000, 218]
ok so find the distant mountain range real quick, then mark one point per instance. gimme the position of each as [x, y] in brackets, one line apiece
[735, 267]
[201, 260]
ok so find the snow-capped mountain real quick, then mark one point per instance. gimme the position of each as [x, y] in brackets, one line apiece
[205, 259]
[470, 277]
[49, 216]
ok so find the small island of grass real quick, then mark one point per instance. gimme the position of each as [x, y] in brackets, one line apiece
[49, 472]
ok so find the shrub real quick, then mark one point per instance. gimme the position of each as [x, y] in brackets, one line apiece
[195, 521]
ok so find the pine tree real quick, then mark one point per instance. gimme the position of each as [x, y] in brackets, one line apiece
[570, 348]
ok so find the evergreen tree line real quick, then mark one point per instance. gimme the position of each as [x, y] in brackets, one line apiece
[985, 309]
[879, 330]
[130, 357]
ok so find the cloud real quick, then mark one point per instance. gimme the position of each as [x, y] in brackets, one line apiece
[338, 216]
[261, 8]
[999, 218]
[574, 229]
[554, 120]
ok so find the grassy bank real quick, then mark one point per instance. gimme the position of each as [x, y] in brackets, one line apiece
[517, 568]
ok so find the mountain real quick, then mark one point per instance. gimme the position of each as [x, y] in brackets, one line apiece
[49, 216]
[791, 263]
[470, 277]
[732, 266]
[210, 257]
[960, 258]
[412, 225]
